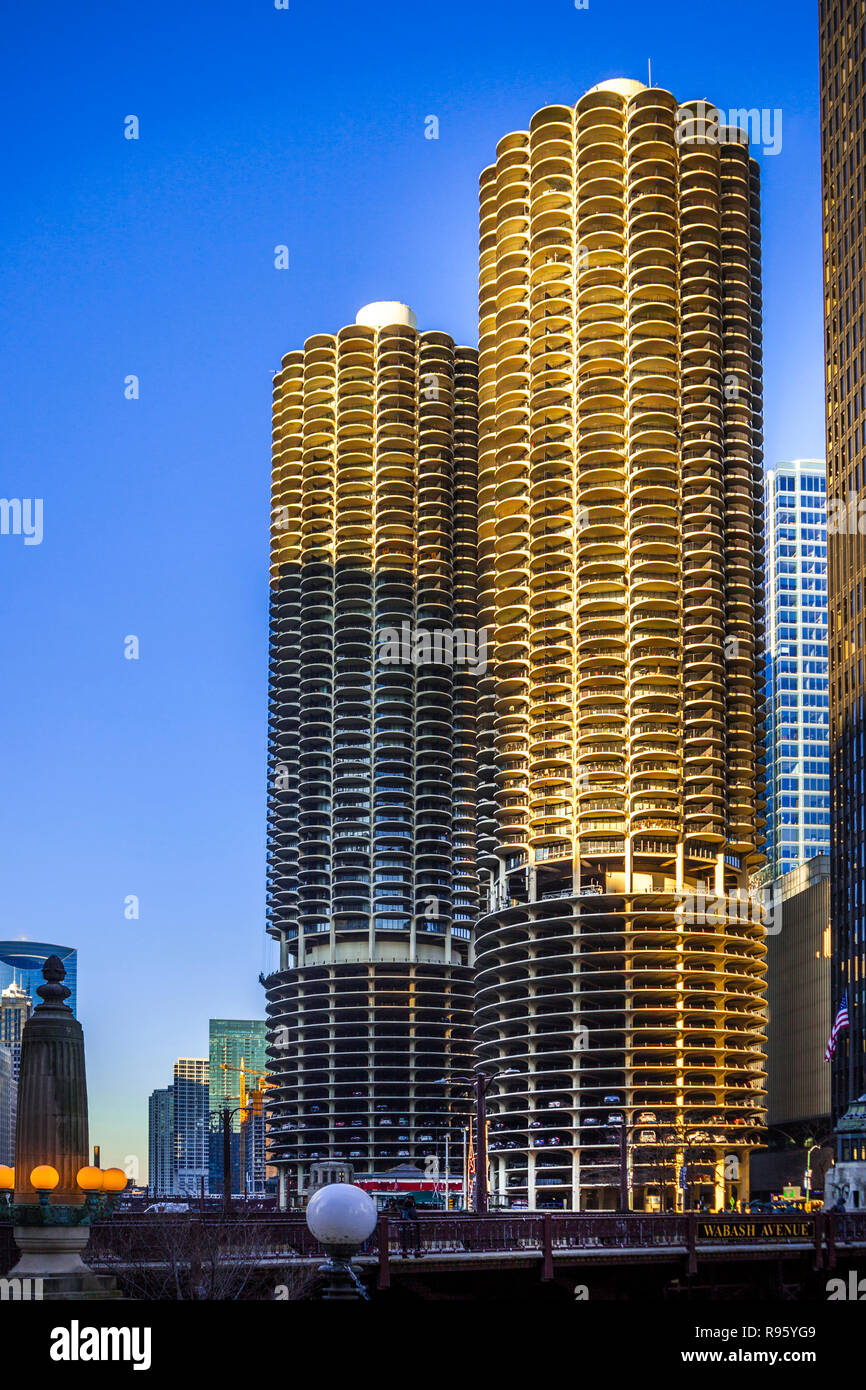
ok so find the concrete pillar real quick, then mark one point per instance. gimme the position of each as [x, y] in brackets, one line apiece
[52, 1094]
[743, 1182]
[719, 1183]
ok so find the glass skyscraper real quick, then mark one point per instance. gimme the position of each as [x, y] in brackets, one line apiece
[235, 1044]
[21, 963]
[797, 695]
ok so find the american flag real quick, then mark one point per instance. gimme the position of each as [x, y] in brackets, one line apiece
[841, 1022]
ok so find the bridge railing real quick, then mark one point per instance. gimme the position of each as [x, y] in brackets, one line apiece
[456, 1232]
[268, 1236]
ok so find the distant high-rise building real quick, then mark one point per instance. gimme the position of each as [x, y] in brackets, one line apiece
[843, 138]
[190, 1127]
[8, 1106]
[374, 660]
[252, 1145]
[16, 1006]
[21, 963]
[620, 529]
[238, 1046]
[160, 1142]
[796, 690]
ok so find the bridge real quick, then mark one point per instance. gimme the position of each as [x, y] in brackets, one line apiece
[461, 1255]
[783, 1253]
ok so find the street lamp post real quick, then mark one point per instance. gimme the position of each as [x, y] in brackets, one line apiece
[341, 1216]
[480, 1083]
[226, 1118]
[814, 1146]
[624, 1131]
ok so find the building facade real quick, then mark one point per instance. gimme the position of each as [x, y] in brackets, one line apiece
[796, 689]
[620, 501]
[16, 1007]
[160, 1143]
[374, 664]
[190, 1125]
[843, 47]
[21, 963]
[8, 1106]
[798, 998]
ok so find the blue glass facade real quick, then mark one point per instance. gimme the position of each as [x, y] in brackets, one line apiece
[22, 961]
[796, 711]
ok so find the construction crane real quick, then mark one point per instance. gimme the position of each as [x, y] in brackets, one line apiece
[256, 1093]
[255, 1102]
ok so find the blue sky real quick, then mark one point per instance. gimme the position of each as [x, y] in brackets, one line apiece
[258, 127]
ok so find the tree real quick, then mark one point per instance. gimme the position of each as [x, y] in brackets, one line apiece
[188, 1255]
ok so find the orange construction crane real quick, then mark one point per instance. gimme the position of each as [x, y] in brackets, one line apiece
[255, 1103]
[256, 1092]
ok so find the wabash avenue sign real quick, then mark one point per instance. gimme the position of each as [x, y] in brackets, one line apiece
[749, 1229]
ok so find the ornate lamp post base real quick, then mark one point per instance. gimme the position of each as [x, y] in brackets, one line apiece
[47, 1250]
[51, 1262]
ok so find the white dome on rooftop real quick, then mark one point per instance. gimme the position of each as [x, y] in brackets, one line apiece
[385, 312]
[623, 86]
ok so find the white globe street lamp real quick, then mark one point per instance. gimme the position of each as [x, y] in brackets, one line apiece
[341, 1217]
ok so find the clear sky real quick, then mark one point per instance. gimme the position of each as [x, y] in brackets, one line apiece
[258, 127]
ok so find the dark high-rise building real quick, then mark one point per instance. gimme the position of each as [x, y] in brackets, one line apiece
[843, 130]
[160, 1142]
[8, 1106]
[374, 660]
